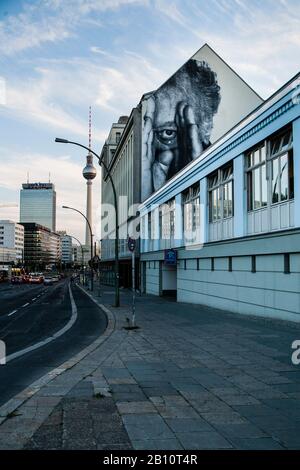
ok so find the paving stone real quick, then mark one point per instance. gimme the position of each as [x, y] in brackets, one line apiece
[254, 410]
[116, 373]
[223, 418]
[121, 381]
[268, 393]
[274, 422]
[265, 443]
[203, 441]
[289, 437]
[243, 430]
[188, 425]
[141, 427]
[156, 444]
[136, 407]
[160, 391]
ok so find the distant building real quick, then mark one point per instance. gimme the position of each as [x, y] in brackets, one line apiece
[41, 246]
[38, 204]
[7, 256]
[66, 247]
[12, 237]
[76, 254]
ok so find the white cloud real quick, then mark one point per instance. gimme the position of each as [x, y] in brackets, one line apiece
[60, 90]
[98, 50]
[260, 41]
[50, 21]
[52, 97]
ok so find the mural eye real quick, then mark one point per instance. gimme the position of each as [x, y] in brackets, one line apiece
[167, 136]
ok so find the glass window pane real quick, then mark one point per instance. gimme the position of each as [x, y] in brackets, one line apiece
[256, 188]
[275, 146]
[275, 181]
[219, 203]
[263, 153]
[286, 141]
[197, 212]
[229, 199]
[264, 187]
[225, 201]
[291, 176]
[256, 157]
[249, 191]
[284, 178]
[215, 204]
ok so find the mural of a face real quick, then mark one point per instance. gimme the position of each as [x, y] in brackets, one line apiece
[178, 123]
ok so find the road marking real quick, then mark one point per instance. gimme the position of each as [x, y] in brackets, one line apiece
[25, 305]
[56, 335]
[11, 313]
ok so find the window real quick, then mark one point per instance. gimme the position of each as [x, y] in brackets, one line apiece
[149, 225]
[256, 178]
[220, 187]
[282, 167]
[270, 171]
[118, 137]
[167, 220]
[191, 211]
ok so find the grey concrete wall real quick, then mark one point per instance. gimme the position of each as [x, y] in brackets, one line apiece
[228, 282]
[152, 278]
[267, 292]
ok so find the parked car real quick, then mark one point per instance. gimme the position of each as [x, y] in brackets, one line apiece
[36, 278]
[48, 281]
[16, 280]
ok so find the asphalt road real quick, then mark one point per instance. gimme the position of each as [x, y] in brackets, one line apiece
[29, 314]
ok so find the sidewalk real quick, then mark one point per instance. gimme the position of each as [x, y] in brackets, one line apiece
[190, 378]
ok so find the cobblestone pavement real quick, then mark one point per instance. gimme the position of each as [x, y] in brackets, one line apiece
[190, 377]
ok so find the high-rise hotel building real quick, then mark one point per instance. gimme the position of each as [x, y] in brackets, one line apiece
[38, 204]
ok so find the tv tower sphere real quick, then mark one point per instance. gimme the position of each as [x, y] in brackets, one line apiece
[89, 172]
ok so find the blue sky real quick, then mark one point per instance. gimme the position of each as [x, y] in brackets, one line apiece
[57, 57]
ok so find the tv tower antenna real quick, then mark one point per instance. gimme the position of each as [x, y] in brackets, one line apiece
[89, 173]
[90, 127]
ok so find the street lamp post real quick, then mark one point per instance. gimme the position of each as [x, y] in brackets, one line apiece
[82, 256]
[102, 162]
[91, 234]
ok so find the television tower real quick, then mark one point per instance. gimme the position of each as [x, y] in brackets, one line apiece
[89, 173]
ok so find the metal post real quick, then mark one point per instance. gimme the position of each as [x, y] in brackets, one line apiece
[92, 270]
[133, 289]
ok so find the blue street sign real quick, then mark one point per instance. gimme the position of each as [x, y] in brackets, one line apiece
[170, 257]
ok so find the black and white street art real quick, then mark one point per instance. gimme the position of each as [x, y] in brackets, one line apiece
[178, 122]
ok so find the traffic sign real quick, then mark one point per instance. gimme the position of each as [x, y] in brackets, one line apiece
[131, 244]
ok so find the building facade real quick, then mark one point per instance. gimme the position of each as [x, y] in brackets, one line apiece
[7, 257]
[42, 247]
[66, 247]
[12, 237]
[230, 219]
[121, 154]
[38, 204]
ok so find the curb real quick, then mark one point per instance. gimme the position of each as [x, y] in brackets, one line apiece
[14, 403]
